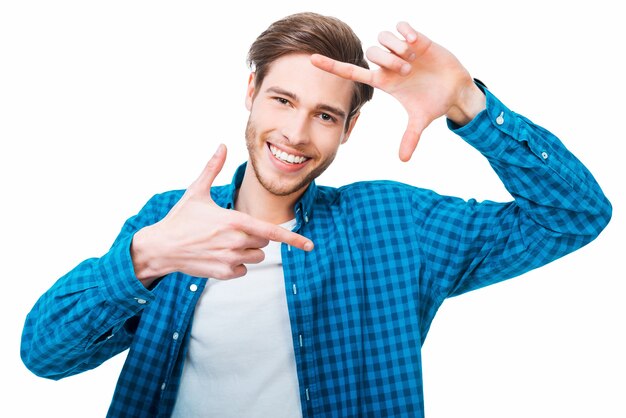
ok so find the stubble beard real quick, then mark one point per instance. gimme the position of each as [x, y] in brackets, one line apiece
[276, 187]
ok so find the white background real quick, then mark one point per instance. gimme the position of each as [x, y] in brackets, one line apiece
[103, 104]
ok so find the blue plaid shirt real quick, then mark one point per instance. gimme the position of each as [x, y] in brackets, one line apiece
[386, 256]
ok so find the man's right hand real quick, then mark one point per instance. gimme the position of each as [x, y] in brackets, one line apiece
[199, 238]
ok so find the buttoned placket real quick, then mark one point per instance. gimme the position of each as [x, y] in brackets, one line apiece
[193, 288]
[299, 333]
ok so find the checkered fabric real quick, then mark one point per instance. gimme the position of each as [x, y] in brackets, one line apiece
[386, 256]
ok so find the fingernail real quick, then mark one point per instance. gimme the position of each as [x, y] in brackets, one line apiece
[406, 68]
[308, 246]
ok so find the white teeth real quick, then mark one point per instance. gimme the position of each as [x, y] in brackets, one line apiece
[288, 158]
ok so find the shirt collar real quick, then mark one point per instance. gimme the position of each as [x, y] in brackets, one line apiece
[303, 208]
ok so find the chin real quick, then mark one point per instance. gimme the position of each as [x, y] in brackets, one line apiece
[282, 187]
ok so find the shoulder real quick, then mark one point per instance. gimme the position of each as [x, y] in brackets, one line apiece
[163, 202]
[372, 191]
[377, 199]
[167, 198]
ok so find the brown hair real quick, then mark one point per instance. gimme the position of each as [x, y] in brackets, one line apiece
[314, 34]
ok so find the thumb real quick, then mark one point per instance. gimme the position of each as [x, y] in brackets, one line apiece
[204, 182]
[410, 139]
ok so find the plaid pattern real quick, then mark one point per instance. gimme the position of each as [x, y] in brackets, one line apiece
[386, 256]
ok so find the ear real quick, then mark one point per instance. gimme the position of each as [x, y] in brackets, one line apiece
[250, 92]
[346, 135]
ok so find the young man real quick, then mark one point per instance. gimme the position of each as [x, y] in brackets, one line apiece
[318, 299]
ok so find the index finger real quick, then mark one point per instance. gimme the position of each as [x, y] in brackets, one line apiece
[343, 69]
[276, 233]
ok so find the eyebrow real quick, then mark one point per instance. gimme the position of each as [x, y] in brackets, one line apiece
[324, 107]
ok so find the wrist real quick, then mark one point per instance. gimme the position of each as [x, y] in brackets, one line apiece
[471, 102]
[144, 252]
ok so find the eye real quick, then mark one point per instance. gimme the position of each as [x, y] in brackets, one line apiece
[327, 118]
[281, 100]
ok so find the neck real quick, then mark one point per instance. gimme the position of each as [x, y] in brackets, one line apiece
[252, 198]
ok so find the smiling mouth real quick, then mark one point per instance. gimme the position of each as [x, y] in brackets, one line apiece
[286, 157]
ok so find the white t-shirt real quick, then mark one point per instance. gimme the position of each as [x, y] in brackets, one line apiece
[241, 361]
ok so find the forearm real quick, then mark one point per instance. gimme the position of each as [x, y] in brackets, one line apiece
[80, 322]
[547, 181]
[558, 207]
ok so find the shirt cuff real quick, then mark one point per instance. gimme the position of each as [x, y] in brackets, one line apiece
[119, 283]
[488, 130]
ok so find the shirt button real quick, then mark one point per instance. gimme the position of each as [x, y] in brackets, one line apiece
[163, 386]
[193, 287]
[175, 336]
[544, 155]
[500, 119]
[141, 301]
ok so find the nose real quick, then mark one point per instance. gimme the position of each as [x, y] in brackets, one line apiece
[296, 128]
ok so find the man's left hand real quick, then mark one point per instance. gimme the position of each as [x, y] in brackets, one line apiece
[427, 79]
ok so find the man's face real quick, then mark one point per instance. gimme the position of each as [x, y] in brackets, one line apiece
[296, 123]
